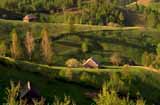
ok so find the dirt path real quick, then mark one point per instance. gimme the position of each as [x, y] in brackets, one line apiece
[149, 69]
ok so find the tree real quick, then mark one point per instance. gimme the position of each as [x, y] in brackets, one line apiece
[121, 18]
[46, 47]
[29, 44]
[116, 59]
[146, 59]
[152, 20]
[2, 48]
[71, 24]
[72, 63]
[158, 49]
[84, 46]
[15, 46]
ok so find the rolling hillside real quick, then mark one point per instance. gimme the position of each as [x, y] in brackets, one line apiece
[53, 79]
[122, 37]
[67, 44]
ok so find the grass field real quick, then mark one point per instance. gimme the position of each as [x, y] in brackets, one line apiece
[49, 88]
[130, 42]
[56, 81]
[54, 28]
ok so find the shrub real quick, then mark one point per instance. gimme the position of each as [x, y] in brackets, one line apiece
[156, 63]
[68, 73]
[106, 97]
[115, 59]
[140, 102]
[39, 102]
[146, 59]
[115, 83]
[2, 49]
[110, 98]
[158, 49]
[73, 63]
[66, 101]
[125, 67]
[85, 77]
[12, 94]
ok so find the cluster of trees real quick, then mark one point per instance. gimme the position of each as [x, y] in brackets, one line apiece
[27, 6]
[152, 15]
[17, 52]
[152, 60]
[107, 96]
[99, 12]
[95, 12]
[105, 11]
[13, 98]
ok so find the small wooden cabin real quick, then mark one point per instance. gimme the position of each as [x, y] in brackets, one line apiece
[90, 63]
[29, 18]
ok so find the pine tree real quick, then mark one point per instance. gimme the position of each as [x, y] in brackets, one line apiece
[46, 47]
[15, 46]
[29, 44]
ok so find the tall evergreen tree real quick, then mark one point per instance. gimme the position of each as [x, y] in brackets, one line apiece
[46, 46]
[16, 51]
[29, 44]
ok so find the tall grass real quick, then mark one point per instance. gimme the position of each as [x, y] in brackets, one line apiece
[110, 97]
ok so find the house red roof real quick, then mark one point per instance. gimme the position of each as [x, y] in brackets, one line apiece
[29, 17]
[91, 63]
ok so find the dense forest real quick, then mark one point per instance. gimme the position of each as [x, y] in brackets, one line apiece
[95, 12]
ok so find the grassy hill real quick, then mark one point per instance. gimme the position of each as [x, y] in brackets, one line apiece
[130, 42]
[51, 81]
[47, 86]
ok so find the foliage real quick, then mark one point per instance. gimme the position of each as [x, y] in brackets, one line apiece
[158, 49]
[13, 99]
[111, 97]
[116, 59]
[29, 44]
[66, 101]
[12, 94]
[39, 102]
[3, 48]
[146, 59]
[115, 83]
[73, 63]
[46, 46]
[156, 63]
[98, 12]
[139, 78]
[84, 46]
[16, 50]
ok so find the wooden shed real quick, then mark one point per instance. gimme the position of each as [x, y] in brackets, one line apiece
[29, 18]
[90, 63]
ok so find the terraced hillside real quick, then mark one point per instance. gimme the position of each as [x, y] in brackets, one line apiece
[103, 41]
